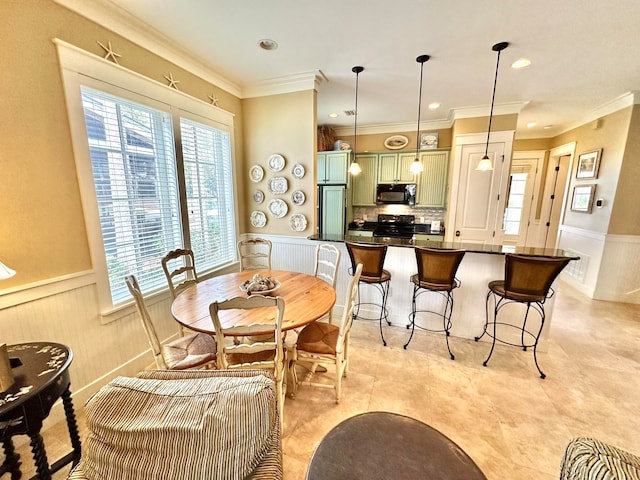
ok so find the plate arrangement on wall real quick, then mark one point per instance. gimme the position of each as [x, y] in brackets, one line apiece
[298, 222]
[278, 208]
[258, 196]
[298, 197]
[278, 185]
[298, 170]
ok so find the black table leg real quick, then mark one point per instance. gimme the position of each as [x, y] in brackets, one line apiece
[72, 425]
[11, 462]
[39, 456]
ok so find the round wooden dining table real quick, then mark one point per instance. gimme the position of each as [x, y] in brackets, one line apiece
[306, 298]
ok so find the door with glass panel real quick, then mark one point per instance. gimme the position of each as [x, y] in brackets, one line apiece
[520, 195]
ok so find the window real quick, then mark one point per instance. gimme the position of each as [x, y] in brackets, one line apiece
[155, 168]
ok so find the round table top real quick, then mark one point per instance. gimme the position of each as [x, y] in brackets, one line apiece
[38, 364]
[382, 445]
[306, 298]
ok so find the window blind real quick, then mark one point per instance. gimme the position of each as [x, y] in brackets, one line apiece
[209, 190]
[134, 168]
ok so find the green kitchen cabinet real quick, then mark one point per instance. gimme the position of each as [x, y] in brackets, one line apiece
[432, 181]
[332, 167]
[394, 168]
[363, 185]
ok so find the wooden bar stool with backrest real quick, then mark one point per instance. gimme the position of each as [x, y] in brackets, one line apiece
[437, 270]
[372, 259]
[527, 280]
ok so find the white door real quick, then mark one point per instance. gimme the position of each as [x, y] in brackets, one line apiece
[520, 188]
[478, 196]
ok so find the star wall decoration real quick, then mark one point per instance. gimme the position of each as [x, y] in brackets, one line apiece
[110, 55]
[172, 82]
[214, 100]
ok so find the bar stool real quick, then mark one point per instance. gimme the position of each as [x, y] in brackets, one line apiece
[527, 280]
[437, 270]
[372, 259]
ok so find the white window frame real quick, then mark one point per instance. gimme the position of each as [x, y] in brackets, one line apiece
[79, 67]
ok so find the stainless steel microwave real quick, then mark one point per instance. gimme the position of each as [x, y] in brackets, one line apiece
[396, 193]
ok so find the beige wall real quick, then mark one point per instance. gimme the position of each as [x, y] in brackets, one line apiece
[625, 219]
[609, 133]
[283, 124]
[42, 231]
[480, 124]
[520, 145]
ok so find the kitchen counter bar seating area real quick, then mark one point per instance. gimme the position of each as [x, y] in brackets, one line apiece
[481, 265]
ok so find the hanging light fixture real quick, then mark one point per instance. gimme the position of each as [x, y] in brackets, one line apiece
[416, 166]
[6, 272]
[354, 168]
[485, 164]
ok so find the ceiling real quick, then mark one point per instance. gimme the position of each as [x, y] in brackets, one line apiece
[584, 54]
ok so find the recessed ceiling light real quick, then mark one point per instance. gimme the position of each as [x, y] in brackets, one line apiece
[333, 115]
[521, 63]
[268, 44]
[434, 105]
[547, 127]
[531, 124]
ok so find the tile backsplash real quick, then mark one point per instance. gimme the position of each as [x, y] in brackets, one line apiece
[423, 215]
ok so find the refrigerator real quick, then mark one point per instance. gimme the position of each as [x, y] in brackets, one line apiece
[332, 206]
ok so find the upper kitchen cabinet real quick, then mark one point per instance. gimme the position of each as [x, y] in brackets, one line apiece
[432, 182]
[394, 168]
[332, 167]
[363, 185]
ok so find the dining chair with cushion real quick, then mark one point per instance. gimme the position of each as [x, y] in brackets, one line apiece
[437, 270]
[327, 344]
[236, 346]
[197, 350]
[373, 273]
[179, 267]
[326, 267]
[254, 254]
[527, 280]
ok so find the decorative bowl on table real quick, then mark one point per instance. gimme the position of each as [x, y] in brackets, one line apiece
[259, 285]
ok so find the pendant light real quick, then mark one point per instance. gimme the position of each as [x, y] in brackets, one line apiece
[485, 164]
[416, 166]
[354, 168]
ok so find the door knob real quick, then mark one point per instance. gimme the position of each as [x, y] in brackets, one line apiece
[457, 233]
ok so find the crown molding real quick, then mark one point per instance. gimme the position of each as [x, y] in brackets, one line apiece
[123, 23]
[623, 101]
[285, 84]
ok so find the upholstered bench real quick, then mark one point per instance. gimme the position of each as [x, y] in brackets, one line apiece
[205, 424]
[589, 459]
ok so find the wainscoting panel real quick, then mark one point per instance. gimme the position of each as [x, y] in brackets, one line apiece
[619, 278]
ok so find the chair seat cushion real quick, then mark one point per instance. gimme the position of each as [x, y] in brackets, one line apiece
[385, 277]
[190, 428]
[189, 351]
[497, 287]
[436, 287]
[587, 459]
[318, 337]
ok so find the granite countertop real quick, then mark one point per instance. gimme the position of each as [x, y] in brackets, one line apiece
[469, 247]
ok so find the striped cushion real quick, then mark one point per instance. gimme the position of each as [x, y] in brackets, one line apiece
[184, 425]
[589, 459]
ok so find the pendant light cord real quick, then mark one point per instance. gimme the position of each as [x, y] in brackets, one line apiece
[498, 47]
[421, 59]
[357, 71]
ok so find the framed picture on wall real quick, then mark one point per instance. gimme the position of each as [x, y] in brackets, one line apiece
[588, 164]
[582, 200]
[428, 140]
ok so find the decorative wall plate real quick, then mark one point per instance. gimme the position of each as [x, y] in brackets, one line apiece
[298, 222]
[258, 219]
[298, 197]
[256, 173]
[276, 162]
[298, 170]
[396, 142]
[278, 185]
[258, 196]
[278, 208]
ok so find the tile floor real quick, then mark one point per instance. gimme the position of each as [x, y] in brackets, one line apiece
[512, 423]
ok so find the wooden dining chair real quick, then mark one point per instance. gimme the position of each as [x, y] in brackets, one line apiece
[326, 267]
[236, 349]
[179, 268]
[197, 350]
[254, 254]
[327, 344]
